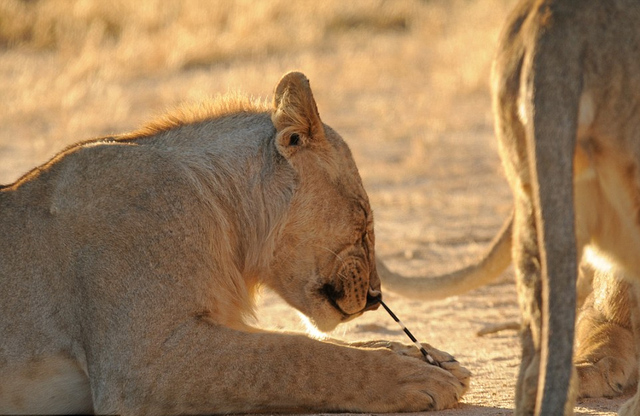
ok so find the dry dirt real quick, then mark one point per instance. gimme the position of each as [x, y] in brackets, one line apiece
[404, 82]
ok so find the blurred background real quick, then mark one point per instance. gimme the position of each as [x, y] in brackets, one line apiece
[405, 82]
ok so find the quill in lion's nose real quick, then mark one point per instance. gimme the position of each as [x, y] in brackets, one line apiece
[424, 352]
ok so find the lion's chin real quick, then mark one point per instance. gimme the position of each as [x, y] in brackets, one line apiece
[311, 328]
[326, 323]
[329, 317]
[324, 318]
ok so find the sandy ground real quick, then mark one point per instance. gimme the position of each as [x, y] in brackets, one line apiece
[410, 97]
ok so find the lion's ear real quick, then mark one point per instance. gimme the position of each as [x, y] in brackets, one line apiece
[295, 115]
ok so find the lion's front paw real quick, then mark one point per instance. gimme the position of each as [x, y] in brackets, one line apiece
[461, 373]
[449, 363]
[434, 387]
[404, 382]
[445, 360]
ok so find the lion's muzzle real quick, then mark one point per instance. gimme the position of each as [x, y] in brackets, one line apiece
[351, 291]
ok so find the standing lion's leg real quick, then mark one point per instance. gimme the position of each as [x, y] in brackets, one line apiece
[526, 260]
[632, 406]
[525, 251]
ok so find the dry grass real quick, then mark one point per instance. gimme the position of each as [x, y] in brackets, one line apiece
[404, 81]
[150, 36]
[82, 68]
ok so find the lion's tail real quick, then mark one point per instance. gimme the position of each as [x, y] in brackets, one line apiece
[484, 271]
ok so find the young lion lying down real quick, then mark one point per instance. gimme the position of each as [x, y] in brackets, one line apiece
[128, 263]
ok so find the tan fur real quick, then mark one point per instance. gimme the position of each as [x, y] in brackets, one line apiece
[566, 89]
[129, 264]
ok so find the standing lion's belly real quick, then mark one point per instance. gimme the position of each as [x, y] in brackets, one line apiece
[52, 385]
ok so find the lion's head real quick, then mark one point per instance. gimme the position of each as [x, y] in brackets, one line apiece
[324, 265]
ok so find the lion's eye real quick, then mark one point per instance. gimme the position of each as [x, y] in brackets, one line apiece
[365, 241]
[294, 139]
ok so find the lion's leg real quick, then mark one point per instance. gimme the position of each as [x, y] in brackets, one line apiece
[632, 406]
[204, 368]
[605, 352]
[525, 250]
[526, 260]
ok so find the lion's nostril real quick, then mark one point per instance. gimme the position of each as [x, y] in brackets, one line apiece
[373, 300]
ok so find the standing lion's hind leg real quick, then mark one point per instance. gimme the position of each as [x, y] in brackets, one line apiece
[526, 260]
[550, 91]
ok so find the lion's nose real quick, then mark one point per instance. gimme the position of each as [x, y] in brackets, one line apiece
[373, 300]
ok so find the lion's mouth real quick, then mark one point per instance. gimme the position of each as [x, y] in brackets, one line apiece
[331, 294]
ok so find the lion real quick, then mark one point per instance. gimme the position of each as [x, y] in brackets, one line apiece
[129, 265]
[566, 94]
